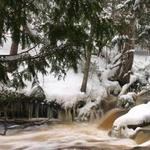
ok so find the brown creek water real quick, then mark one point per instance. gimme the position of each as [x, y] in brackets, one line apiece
[64, 136]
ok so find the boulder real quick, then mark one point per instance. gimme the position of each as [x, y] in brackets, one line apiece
[142, 136]
[127, 101]
[130, 123]
[38, 93]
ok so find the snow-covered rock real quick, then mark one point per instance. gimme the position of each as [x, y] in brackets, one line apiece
[137, 116]
[127, 100]
[90, 111]
[38, 92]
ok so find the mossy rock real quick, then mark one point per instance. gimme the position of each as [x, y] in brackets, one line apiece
[38, 93]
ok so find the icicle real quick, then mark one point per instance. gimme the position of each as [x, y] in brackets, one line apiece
[30, 110]
[37, 110]
[49, 112]
[92, 116]
[73, 113]
[62, 114]
[68, 114]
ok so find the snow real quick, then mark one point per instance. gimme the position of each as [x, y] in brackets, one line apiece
[133, 79]
[136, 3]
[5, 48]
[67, 91]
[123, 4]
[141, 67]
[119, 6]
[140, 62]
[136, 116]
[119, 37]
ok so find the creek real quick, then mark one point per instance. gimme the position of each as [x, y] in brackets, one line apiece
[63, 136]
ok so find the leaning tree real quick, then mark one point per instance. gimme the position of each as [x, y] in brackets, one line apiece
[128, 16]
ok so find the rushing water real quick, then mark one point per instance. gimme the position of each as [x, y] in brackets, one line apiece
[67, 136]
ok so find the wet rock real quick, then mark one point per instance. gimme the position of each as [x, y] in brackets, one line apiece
[140, 148]
[141, 137]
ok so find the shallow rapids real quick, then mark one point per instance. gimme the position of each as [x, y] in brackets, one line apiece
[62, 136]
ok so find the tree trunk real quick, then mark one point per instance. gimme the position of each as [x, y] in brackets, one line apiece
[37, 110]
[86, 70]
[123, 72]
[13, 51]
[1, 26]
[30, 110]
[87, 59]
[14, 48]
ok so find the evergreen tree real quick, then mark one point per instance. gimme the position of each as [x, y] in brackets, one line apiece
[128, 14]
[69, 29]
[83, 24]
[143, 23]
[16, 15]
